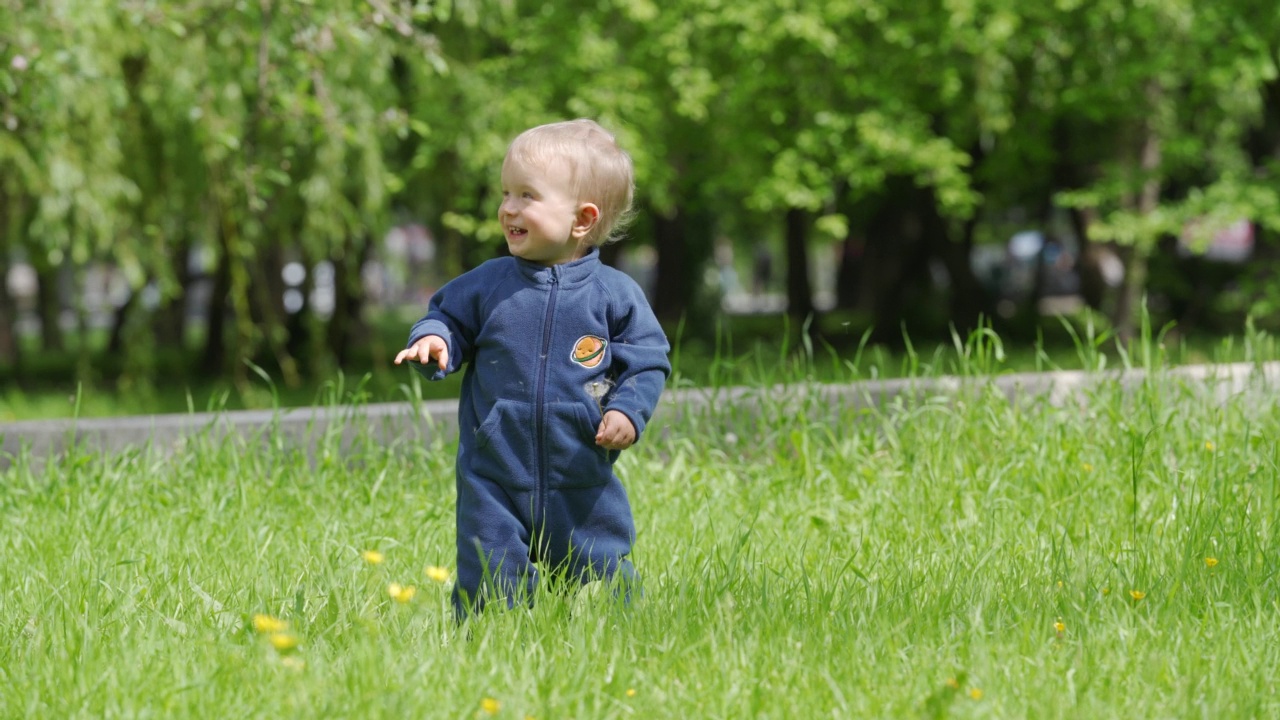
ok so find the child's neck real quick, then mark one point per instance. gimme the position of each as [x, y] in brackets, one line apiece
[581, 252]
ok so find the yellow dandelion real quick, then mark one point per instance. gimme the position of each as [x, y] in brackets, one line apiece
[490, 706]
[438, 574]
[1059, 626]
[293, 662]
[283, 641]
[1208, 445]
[631, 692]
[373, 557]
[975, 693]
[1106, 591]
[953, 683]
[401, 593]
[1088, 467]
[1059, 584]
[1137, 594]
[1210, 562]
[267, 624]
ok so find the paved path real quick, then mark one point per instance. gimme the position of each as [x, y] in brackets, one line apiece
[406, 422]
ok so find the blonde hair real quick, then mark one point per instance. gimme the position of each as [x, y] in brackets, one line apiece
[600, 172]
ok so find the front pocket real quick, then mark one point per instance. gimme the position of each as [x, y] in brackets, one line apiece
[574, 460]
[504, 449]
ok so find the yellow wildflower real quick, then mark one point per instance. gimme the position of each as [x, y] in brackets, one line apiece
[1059, 626]
[1088, 467]
[1059, 584]
[437, 573]
[293, 662]
[631, 692]
[1210, 562]
[1106, 591]
[283, 641]
[400, 593]
[267, 624]
[1137, 594]
[490, 706]
[953, 684]
[975, 693]
[373, 557]
[1208, 445]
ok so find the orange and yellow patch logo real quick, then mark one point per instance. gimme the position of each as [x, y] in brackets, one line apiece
[589, 351]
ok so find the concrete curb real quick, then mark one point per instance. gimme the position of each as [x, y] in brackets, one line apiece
[405, 422]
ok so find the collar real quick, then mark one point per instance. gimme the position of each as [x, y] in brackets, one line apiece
[570, 273]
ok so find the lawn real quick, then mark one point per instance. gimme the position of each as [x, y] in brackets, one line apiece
[1115, 557]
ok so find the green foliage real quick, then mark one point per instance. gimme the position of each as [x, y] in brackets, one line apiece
[269, 132]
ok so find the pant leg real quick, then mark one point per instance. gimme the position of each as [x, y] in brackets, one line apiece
[588, 533]
[492, 547]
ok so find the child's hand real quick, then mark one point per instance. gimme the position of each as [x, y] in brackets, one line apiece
[428, 348]
[616, 431]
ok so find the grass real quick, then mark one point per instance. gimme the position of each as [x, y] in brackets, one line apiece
[1114, 557]
[740, 350]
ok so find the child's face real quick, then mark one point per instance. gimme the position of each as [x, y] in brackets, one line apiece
[540, 217]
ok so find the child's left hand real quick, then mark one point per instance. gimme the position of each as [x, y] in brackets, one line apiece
[616, 432]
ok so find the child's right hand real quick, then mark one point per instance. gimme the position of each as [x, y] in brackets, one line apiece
[428, 348]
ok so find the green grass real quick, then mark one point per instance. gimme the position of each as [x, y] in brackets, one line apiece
[908, 562]
[741, 350]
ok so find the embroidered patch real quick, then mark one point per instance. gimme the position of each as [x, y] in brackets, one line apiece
[589, 351]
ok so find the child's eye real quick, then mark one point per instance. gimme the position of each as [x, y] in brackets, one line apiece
[527, 196]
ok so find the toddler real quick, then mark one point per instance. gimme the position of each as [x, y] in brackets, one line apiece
[565, 363]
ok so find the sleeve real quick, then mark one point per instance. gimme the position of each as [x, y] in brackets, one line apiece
[640, 360]
[454, 314]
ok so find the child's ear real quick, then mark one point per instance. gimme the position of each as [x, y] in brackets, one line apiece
[587, 217]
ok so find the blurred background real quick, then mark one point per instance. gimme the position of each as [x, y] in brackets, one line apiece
[236, 203]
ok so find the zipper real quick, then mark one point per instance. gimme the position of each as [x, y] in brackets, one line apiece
[540, 482]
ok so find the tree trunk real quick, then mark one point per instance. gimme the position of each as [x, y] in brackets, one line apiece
[799, 291]
[347, 328]
[1131, 291]
[853, 249]
[171, 318]
[673, 285]
[115, 344]
[894, 255]
[848, 276]
[49, 306]
[1263, 142]
[214, 360]
[299, 328]
[1135, 276]
[1069, 173]
[10, 352]
[267, 309]
[969, 301]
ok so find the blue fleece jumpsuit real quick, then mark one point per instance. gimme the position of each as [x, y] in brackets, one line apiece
[533, 486]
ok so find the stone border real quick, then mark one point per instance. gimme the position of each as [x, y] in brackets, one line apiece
[404, 421]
